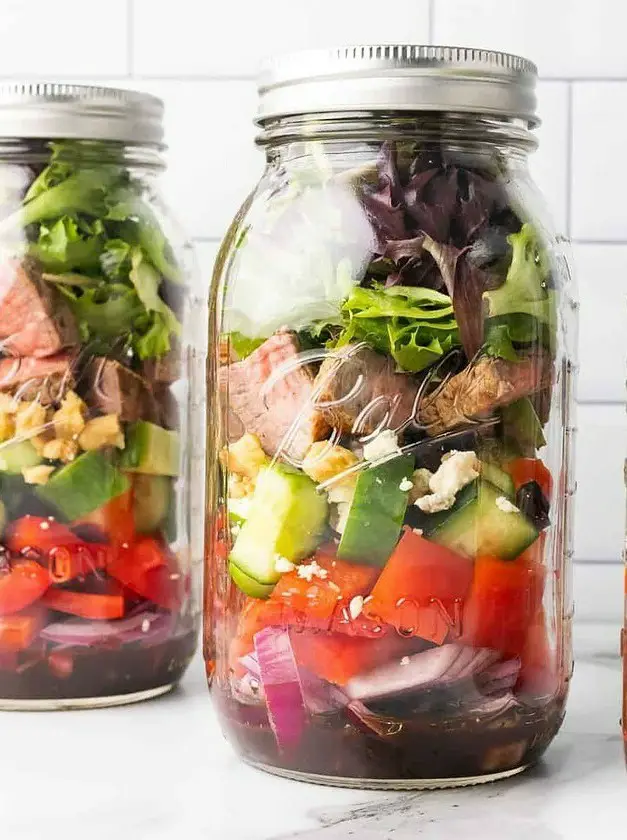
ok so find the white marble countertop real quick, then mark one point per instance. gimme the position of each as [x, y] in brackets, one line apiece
[162, 771]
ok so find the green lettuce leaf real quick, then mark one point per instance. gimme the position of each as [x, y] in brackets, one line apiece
[108, 311]
[69, 245]
[115, 259]
[244, 346]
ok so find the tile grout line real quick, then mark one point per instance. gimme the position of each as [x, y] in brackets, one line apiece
[569, 158]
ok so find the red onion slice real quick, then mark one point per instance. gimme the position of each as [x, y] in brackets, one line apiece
[281, 685]
[438, 666]
[147, 627]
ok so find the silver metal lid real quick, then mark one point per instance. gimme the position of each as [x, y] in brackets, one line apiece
[79, 112]
[398, 78]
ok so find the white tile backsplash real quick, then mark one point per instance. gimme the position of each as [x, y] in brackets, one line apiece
[44, 40]
[566, 38]
[599, 176]
[201, 57]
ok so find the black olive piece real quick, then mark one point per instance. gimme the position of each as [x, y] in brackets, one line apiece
[532, 502]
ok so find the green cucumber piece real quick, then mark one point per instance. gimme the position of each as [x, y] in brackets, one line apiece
[377, 512]
[287, 518]
[248, 584]
[499, 478]
[522, 425]
[83, 485]
[152, 497]
[19, 455]
[476, 525]
[150, 449]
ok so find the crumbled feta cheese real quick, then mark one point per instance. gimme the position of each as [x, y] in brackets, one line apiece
[418, 531]
[282, 565]
[356, 606]
[44, 526]
[420, 484]
[145, 625]
[311, 570]
[505, 505]
[455, 472]
[383, 445]
[235, 529]
[435, 503]
[406, 485]
[405, 660]
[338, 516]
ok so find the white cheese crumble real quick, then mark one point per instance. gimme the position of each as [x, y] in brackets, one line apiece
[418, 531]
[456, 471]
[235, 529]
[435, 503]
[356, 606]
[282, 565]
[311, 570]
[406, 485]
[338, 516]
[145, 625]
[44, 526]
[383, 445]
[505, 505]
[405, 660]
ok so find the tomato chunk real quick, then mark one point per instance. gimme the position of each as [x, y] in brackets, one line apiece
[149, 570]
[504, 598]
[421, 589]
[338, 658]
[38, 533]
[85, 604]
[538, 673]
[18, 631]
[22, 585]
[114, 519]
[524, 470]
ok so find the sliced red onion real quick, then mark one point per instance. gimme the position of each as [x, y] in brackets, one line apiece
[500, 677]
[147, 627]
[438, 666]
[281, 685]
[251, 664]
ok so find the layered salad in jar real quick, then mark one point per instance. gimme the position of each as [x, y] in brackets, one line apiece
[389, 519]
[94, 569]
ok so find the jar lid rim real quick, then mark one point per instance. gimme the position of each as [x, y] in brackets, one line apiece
[58, 110]
[398, 77]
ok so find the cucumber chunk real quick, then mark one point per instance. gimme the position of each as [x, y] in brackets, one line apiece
[377, 512]
[83, 485]
[287, 518]
[152, 496]
[499, 478]
[150, 449]
[19, 455]
[477, 525]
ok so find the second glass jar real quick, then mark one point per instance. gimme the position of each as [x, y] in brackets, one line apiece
[387, 594]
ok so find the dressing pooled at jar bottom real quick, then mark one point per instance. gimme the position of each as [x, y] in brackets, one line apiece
[97, 596]
[387, 578]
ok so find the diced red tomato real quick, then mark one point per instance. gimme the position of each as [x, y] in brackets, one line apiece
[148, 569]
[69, 562]
[85, 604]
[524, 470]
[38, 533]
[114, 519]
[17, 632]
[22, 585]
[421, 589]
[503, 601]
[538, 674]
[323, 602]
[337, 657]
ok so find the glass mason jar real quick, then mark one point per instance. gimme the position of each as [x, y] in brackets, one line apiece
[391, 390]
[98, 597]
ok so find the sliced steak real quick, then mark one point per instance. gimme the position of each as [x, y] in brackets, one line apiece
[368, 387]
[488, 384]
[34, 318]
[47, 380]
[165, 370]
[168, 407]
[284, 420]
[112, 388]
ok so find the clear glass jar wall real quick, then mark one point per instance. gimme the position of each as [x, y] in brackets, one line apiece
[387, 583]
[98, 597]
